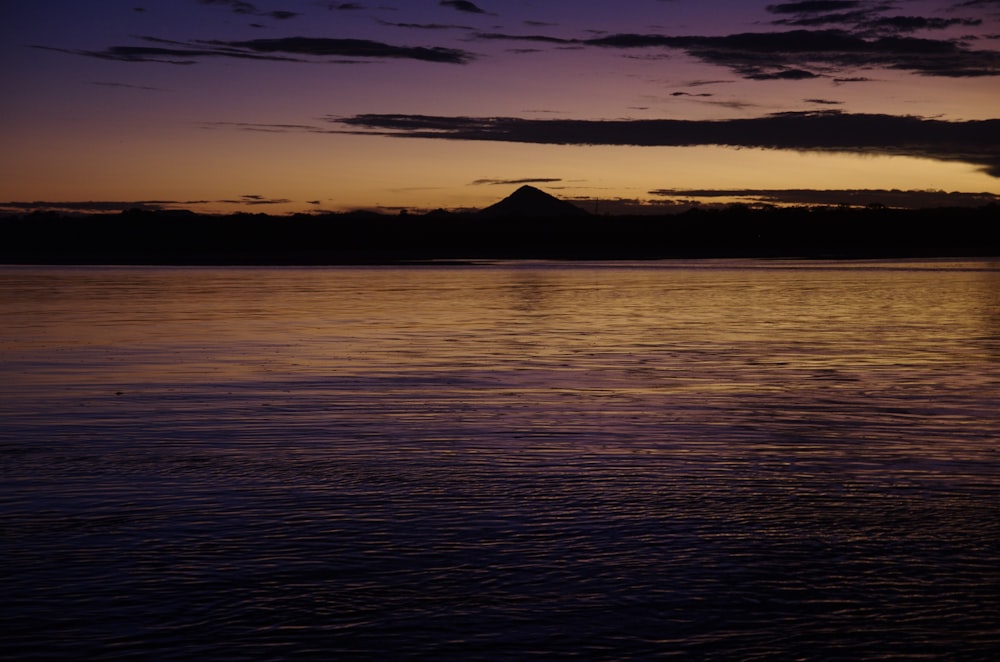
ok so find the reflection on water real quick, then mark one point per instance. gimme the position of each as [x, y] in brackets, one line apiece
[725, 460]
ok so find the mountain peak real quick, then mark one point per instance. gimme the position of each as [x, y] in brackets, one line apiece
[531, 201]
[528, 189]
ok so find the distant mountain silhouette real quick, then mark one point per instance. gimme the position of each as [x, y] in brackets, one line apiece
[529, 201]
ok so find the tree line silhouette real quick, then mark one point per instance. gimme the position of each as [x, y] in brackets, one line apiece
[172, 237]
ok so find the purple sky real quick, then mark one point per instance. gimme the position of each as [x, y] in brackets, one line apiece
[311, 105]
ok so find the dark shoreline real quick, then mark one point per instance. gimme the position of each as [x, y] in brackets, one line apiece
[181, 238]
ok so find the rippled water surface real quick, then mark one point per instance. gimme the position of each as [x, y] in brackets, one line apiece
[703, 460]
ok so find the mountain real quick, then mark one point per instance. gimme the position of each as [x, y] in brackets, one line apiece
[529, 201]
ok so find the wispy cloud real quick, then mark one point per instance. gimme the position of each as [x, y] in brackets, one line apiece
[249, 9]
[112, 206]
[862, 17]
[703, 83]
[973, 142]
[287, 49]
[850, 197]
[256, 200]
[462, 5]
[515, 182]
[95, 206]
[320, 47]
[237, 6]
[127, 86]
[801, 54]
[732, 104]
[176, 56]
[811, 6]
[979, 3]
[264, 128]
[426, 26]
[852, 79]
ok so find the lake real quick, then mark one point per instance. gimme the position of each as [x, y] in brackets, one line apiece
[720, 460]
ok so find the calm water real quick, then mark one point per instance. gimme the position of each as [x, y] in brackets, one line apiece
[705, 460]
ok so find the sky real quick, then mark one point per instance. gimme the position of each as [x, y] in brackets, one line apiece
[313, 106]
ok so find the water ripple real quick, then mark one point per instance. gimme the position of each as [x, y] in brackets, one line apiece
[707, 461]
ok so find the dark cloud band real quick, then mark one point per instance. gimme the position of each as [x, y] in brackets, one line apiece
[799, 54]
[974, 142]
[288, 49]
[848, 197]
[322, 47]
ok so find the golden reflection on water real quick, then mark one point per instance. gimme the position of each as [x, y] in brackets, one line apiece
[656, 355]
[602, 326]
[724, 460]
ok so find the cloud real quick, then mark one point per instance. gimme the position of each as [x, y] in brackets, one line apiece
[426, 26]
[864, 22]
[497, 36]
[255, 200]
[702, 83]
[177, 56]
[238, 6]
[108, 207]
[264, 128]
[915, 23]
[851, 19]
[127, 86]
[288, 49]
[515, 182]
[812, 6]
[850, 197]
[93, 206]
[732, 104]
[810, 53]
[319, 46]
[974, 142]
[462, 5]
[801, 54]
[249, 9]
[862, 18]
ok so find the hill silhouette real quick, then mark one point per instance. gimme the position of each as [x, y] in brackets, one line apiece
[517, 229]
[530, 202]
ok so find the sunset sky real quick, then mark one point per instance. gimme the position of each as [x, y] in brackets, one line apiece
[313, 105]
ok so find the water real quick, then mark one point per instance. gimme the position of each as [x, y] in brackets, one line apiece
[696, 460]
